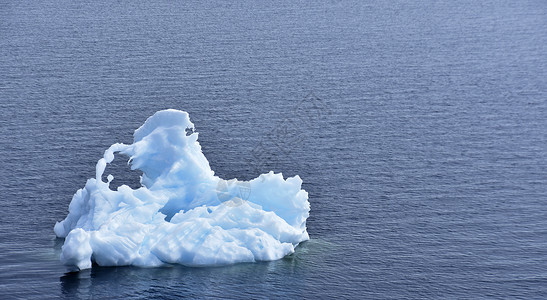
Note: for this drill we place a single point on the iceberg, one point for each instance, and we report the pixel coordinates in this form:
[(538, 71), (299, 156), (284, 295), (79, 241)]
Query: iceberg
[(182, 213)]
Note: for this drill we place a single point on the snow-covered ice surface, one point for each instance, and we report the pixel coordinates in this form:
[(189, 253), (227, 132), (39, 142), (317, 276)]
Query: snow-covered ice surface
[(182, 213)]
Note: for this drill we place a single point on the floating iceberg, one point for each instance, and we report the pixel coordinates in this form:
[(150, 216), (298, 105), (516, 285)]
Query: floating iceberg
[(182, 213)]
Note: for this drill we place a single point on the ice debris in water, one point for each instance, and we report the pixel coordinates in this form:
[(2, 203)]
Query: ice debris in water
[(182, 213)]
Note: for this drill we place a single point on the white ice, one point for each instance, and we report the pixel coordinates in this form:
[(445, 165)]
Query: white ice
[(182, 213)]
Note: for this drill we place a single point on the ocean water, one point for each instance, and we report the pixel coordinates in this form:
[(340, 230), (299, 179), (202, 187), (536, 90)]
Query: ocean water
[(419, 129)]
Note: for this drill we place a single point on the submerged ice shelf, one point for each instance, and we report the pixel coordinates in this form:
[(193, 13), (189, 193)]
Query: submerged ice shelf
[(182, 213)]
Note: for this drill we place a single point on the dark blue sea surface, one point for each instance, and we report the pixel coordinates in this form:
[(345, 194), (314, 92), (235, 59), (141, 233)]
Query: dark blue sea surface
[(418, 127)]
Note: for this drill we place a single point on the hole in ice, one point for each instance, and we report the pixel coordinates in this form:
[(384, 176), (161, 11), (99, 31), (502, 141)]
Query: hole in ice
[(189, 131), (121, 170)]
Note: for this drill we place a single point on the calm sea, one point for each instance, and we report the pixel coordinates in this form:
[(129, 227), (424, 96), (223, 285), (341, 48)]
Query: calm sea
[(418, 127)]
